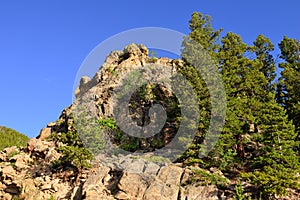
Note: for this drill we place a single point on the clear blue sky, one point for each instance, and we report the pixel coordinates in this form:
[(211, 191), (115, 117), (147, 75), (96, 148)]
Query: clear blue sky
[(43, 43)]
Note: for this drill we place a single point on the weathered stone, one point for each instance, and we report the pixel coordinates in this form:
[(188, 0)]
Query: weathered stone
[(10, 150), (135, 166), (200, 192), (94, 187), (55, 185), (44, 133), (166, 184), (186, 175), (51, 124), (122, 196), (161, 191), (133, 184), (6, 196), (21, 161), (29, 191), (84, 80), (46, 187), (52, 155), (151, 169), (12, 189), (2, 157), (170, 174), (8, 171), (38, 145)]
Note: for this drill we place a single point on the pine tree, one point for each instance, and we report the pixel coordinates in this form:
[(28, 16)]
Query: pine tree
[(206, 38), (262, 47), (289, 83), (258, 136), (275, 163), (202, 32), (243, 79)]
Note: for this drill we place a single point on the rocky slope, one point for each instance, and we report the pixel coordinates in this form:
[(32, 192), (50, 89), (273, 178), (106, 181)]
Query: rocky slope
[(28, 173)]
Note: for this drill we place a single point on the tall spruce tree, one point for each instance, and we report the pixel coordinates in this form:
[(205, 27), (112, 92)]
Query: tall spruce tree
[(243, 79), (257, 137), (275, 163), (202, 33), (262, 47), (254, 114), (289, 83)]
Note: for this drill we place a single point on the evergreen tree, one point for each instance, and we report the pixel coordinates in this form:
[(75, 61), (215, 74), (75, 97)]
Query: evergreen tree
[(257, 136), (262, 47), (254, 114), (289, 83), (201, 33), (243, 80), (275, 164)]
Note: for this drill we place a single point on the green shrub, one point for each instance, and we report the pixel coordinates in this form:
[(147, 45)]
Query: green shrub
[(130, 144), (108, 122), (152, 56), (202, 177), (239, 192), (74, 152), (10, 137), (75, 155)]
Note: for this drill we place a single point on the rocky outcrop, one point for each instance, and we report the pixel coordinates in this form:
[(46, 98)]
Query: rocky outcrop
[(28, 173), (149, 182)]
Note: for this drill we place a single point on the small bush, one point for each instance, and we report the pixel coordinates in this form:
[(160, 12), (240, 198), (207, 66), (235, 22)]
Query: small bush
[(108, 122), (202, 177), (74, 153)]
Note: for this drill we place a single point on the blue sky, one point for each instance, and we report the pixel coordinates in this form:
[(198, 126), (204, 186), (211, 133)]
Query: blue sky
[(43, 43)]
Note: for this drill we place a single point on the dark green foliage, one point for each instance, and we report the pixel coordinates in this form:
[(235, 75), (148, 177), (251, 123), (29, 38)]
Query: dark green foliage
[(73, 151), (239, 192), (74, 155), (10, 137), (203, 34), (262, 48), (275, 165), (129, 144), (288, 93), (257, 136), (140, 103), (108, 122), (118, 137), (90, 133), (205, 178)]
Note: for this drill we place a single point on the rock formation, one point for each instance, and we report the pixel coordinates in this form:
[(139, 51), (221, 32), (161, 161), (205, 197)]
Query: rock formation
[(28, 173)]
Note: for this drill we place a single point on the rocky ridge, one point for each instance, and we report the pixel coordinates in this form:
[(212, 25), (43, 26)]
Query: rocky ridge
[(28, 173)]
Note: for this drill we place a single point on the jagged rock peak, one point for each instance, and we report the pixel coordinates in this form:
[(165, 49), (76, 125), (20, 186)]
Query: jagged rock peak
[(137, 53)]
